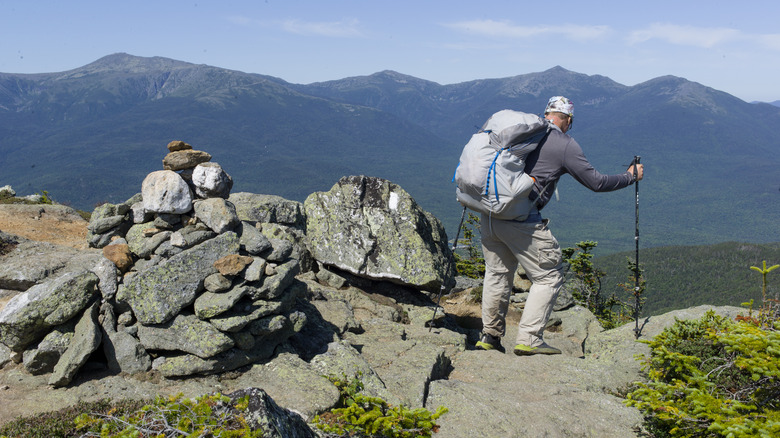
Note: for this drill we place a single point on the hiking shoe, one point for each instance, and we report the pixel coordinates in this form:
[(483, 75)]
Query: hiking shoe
[(524, 350), (490, 342)]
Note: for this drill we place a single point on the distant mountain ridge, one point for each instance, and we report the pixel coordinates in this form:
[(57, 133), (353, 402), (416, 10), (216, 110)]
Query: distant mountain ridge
[(90, 134), (435, 105)]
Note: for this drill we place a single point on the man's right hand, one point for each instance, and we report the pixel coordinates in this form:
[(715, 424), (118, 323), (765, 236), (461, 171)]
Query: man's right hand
[(640, 171)]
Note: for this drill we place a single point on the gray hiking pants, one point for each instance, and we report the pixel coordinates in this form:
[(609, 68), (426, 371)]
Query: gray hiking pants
[(532, 245)]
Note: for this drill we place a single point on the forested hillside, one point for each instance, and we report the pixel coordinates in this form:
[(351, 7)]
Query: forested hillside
[(685, 276)]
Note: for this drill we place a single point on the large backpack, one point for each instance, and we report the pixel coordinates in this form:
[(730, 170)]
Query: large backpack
[(491, 176)]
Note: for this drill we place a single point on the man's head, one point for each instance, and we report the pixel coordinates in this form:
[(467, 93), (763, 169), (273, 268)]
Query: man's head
[(561, 111)]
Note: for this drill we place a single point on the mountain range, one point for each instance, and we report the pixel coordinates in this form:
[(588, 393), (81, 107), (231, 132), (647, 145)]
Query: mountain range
[(90, 135)]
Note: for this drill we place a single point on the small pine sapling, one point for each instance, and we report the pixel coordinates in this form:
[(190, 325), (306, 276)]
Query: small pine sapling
[(770, 308), (471, 265)]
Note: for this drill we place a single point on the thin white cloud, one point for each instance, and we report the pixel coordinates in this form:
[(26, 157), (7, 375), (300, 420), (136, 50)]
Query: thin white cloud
[(706, 37), (771, 41), (343, 28), (505, 29)]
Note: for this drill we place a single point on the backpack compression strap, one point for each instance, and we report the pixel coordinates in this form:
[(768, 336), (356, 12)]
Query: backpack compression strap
[(492, 169)]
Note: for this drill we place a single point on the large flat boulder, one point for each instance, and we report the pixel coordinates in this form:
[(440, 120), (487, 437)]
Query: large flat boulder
[(29, 316), (25, 263), (375, 229)]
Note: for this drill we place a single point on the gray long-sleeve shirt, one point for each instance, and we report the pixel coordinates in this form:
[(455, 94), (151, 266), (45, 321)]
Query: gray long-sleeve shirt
[(560, 154)]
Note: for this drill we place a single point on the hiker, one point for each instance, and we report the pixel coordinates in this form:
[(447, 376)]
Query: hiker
[(505, 243)]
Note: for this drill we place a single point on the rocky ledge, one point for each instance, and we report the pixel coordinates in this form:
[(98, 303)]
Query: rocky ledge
[(189, 288)]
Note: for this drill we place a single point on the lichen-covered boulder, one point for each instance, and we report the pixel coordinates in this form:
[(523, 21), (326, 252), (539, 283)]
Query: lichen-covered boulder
[(252, 240), (210, 304), (273, 286), (185, 333), (144, 239), (217, 213), (86, 339), (107, 221), (163, 290), (31, 315), (265, 334), (274, 209), (30, 262), (238, 318), (42, 358), (275, 422), (373, 228), (123, 351)]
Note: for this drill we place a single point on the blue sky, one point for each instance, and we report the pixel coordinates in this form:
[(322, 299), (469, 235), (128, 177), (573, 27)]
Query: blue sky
[(733, 46)]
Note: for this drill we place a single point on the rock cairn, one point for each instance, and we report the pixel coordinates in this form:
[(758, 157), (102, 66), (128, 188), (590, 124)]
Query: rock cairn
[(203, 281)]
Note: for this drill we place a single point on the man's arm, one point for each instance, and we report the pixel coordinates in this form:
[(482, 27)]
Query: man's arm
[(578, 166)]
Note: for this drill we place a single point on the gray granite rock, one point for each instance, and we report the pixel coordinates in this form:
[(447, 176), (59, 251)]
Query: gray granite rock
[(86, 339), (185, 333), (164, 191), (165, 289), (373, 228), (31, 315)]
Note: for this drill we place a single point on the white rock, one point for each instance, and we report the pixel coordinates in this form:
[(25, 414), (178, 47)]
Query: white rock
[(164, 191), (211, 181)]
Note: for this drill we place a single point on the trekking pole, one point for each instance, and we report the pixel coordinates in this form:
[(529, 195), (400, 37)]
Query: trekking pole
[(452, 256), (637, 330)]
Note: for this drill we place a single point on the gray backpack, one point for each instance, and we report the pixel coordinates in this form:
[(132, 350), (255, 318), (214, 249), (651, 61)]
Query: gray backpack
[(491, 176)]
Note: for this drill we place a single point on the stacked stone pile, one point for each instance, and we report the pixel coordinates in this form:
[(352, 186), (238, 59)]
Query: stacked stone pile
[(203, 281), (202, 288)]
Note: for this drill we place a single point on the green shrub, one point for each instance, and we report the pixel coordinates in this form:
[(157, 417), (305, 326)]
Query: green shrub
[(60, 423), (476, 295), (472, 264), (209, 415), (770, 309), (45, 198), (360, 415), (712, 377), (585, 285)]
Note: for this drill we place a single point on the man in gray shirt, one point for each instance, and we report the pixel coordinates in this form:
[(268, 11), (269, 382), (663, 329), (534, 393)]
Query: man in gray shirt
[(505, 243)]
